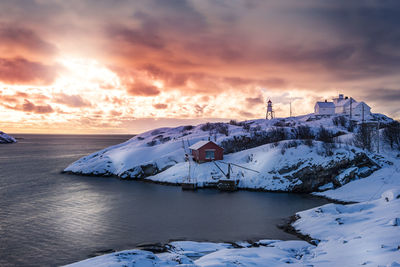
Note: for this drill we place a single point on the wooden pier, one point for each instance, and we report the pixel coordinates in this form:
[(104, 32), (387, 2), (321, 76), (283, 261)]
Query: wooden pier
[(189, 186)]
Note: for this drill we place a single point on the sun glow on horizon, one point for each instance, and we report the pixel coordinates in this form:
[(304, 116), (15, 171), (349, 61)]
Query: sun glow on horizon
[(88, 97)]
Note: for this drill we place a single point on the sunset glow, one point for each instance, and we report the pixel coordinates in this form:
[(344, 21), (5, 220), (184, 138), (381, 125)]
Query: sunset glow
[(97, 67)]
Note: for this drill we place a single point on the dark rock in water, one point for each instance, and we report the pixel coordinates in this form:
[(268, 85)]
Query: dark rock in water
[(142, 171), (6, 139)]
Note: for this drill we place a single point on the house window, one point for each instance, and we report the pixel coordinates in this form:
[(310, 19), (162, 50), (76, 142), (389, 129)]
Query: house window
[(210, 154)]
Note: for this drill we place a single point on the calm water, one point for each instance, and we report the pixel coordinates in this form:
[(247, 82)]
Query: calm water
[(48, 218)]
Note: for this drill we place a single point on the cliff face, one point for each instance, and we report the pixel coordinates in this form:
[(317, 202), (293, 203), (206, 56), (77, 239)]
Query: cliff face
[(6, 139), (336, 171)]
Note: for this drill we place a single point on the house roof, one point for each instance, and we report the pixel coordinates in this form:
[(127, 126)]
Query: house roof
[(199, 144), (326, 104), (346, 102), (360, 103)]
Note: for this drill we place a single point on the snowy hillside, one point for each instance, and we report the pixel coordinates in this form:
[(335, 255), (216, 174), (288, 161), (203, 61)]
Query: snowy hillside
[(366, 233), (158, 155), (5, 138), (363, 234), (287, 166)]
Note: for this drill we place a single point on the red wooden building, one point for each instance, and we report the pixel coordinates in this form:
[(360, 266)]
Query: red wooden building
[(206, 151)]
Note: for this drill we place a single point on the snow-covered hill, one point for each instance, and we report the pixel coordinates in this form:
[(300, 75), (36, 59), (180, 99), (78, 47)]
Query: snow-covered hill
[(262, 145), (5, 138), (362, 234), (286, 166)]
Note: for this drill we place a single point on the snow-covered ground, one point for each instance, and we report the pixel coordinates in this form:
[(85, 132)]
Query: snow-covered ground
[(5, 138), (278, 168), (366, 233), (362, 234), (165, 147), (159, 155)]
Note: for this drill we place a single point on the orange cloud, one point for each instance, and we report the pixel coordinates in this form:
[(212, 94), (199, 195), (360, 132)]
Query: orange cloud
[(160, 106), (22, 71), (75, 101), (192, 59), (28, 106), (17, 41), (140, 88)]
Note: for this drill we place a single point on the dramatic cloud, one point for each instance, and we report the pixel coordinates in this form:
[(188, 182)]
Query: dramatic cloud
[(384, 95), (254, 101), (22, 71), (160, 106), (125, 61), (142, 89), (30, 107), (14, 39), (75, 101)]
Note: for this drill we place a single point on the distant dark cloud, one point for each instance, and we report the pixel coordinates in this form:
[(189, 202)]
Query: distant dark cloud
[(22, 71), (13, 39), (384, 95), (254, 101), (115, 113), (142, 89), (369, 30), (269, 82), (160, 106), (28, 106), (247, 114), (75, 101), (146, 37)]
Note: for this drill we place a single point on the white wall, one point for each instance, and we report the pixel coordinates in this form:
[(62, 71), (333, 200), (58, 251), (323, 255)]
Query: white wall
[(324, 111)]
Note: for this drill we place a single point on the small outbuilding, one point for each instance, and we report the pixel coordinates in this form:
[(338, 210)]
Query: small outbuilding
[(203, 151)]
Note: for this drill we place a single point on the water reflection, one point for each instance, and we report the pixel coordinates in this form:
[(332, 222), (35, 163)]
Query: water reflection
[(48, 218)]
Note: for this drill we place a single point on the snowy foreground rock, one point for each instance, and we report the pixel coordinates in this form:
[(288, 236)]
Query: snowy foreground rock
[(6, 139), (362, 234), (266, 146)]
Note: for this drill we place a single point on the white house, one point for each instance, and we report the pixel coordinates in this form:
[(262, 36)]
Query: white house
[(361, 110), (343, 105), (324, 108)]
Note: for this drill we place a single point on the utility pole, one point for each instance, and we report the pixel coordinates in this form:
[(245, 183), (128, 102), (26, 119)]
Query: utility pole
[(378, 135), (290, 103), (351, 108), (362, 113)]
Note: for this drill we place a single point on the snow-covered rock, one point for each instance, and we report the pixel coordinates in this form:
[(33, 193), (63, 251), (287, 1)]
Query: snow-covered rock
[(6, 139), (300, 168), (159, 155), (135, 257), (369, 188)]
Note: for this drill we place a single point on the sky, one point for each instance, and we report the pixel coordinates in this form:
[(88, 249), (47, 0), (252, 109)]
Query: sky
[(123, 67)]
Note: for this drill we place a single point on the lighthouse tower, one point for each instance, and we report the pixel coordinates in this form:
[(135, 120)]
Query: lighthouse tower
[(270, 111)]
